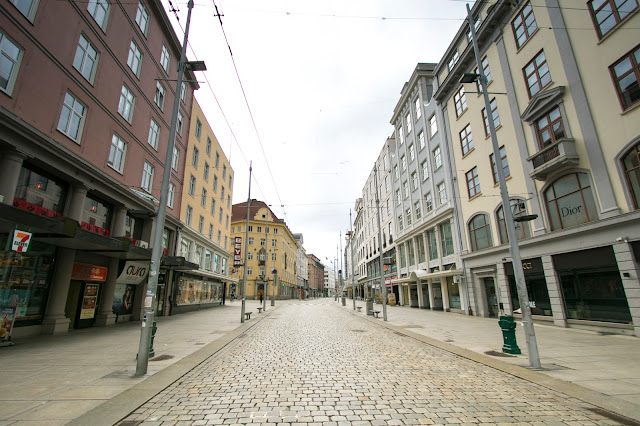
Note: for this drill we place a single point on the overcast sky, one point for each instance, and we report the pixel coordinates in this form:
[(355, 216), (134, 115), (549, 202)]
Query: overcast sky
[(321, 80)]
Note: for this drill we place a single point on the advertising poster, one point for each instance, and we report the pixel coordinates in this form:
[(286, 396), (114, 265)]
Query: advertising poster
[(14, 298), (7, 317), (123, 299), (89, 301)]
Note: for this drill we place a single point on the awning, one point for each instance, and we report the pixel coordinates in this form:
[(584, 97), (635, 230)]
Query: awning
[(422, 275), (214, 275), (177, 263)]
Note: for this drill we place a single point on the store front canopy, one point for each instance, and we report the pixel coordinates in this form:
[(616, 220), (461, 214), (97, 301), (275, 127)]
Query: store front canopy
[(423, 275), (67, 233)]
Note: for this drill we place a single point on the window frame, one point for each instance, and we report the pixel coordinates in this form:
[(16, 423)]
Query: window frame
[(433, 124), (442, 189), (635, 70), (486, 228), (115, 144), (17, 61), (132, 59), (107, 10), (127, 103), (437, 157), (494, 115), (147, 177), (460, 101), (165, 59), (614, 12), (473, 182), (536, 72), (154, 134), (503, 160), (31, 13), (83, 61), (71, 109), (171, 194), (466, 140), (160, 95), (527, 32), (175, 158), (143, 24)]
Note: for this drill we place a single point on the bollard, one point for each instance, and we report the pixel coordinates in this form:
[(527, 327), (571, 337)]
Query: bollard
[(152, 353), (370, 306), (508, 326), (344, 301)]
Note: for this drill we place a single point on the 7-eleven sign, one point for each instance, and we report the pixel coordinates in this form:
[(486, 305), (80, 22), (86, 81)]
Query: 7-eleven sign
[(21, 241)]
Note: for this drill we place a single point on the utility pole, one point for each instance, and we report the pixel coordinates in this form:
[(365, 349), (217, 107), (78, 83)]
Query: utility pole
[(383, 286), (521, 286), (246, 249), (266, 261), (156, 250), (343, 297), (353, 283)]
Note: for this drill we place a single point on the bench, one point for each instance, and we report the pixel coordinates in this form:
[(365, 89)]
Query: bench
[(359, 308), (260, 309), (248, 315), (376, 313)]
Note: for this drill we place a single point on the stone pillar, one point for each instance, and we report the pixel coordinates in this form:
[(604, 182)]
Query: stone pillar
[(76, 203), (555, 292), (105, 315), (629, 271), (419, 291), (10, 166), (444, 288), (430, 295)]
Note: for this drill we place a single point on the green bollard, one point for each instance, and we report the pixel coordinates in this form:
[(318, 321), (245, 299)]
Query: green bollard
[(152, 353), (508, 326)]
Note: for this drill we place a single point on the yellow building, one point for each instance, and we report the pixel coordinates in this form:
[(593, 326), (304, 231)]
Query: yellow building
[(269, 246), (206, 214)]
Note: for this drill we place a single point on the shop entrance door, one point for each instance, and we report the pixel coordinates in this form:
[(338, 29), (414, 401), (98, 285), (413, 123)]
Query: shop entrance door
[(160, 300), (437, 296), (492, 297), (82, 303), (413, 296)]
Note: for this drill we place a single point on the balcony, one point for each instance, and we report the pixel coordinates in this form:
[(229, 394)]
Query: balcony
[(554, 157)]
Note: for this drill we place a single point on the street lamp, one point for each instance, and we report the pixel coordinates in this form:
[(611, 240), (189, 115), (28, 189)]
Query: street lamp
[(156, 251), (521, 286)]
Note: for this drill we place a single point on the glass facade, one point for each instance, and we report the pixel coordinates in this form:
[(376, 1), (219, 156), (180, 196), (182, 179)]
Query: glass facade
[(536, 287), (192, 291)]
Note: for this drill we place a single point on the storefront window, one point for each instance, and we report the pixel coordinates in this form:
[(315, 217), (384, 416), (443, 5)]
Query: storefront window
[(570, 201), (39, 194), (536, 286), (454, 293), (96, 216), (194, 291), (25, 281)]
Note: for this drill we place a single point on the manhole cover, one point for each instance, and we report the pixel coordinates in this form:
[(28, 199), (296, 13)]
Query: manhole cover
[(158, 358), (502, 354)]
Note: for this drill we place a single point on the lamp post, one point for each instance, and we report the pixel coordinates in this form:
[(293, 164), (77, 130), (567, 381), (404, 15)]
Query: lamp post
[(529, 332), (246, 249), (156, 251), (353, 284), (383, 286)]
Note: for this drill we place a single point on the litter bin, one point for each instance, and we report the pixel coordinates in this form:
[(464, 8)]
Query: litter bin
[(344, 300), (369, 306), (508, 326)]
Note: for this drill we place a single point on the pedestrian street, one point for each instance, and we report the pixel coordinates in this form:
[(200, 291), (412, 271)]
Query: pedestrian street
[(314, 363)]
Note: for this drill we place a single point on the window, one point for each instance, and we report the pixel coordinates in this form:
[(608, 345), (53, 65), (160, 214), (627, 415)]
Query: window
[(400, 223), (192, 186), (505, 164), (401, 134), (135, 58), (99, 9), (453, 60), (607, 14), (208, 147), (487, 74), (536, 74), (249, 256), (250, 241), (570, 202), (425, 170), (263, 242), (494, 115), (154, 134), (189, 215), (437, 158), (26, 7), (179, 124), (86, 58), (403, 163), (159, 96), (408, 120), (405, 186), (446, 239), (220, 215), (460, 101), (198, 128), (398, 198), (414, 180), (206, 172), (215, 183), (213, 207), (249, 271), (626, 76), (631, 163), (171, 194), (428, 202), (386, 183), (183, 93), (418, 109), (433, 125), (473, 182), (432, 242), (228, 200), (408, 216), (224, 172), (550, 128), (466, 140), (518, 208), (395, 172), (217, 160), (421, 140), (222, 192), (147, 177), (117, 153), (416, 207), (126, 104), (524, 25), (442, 193), (480, 232), (412, 153), (10, 57), (142, 18), (476, 25), (165, 58), (201, 224), (203, 200), (174, 159), (72, 117), (195, 157)]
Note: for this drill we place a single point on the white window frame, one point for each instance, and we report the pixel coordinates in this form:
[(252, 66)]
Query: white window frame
[(175, 158), (165, 58), (171, 195), (179, 123), (418, 109), (117, 153), (442, 192), (95, 7), (154, 134), (142, 18), (425, 170), (195, 158), (203, 199), (86, 53), (127, 103), (192, 186), (189, 215), (147, 177), (198, 128), (437, 157), (408, 120), (159, 97), (134, 60), (73, 114), (14, 57), (30, 13)]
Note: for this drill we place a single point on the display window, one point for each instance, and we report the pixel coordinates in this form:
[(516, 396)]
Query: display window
[(193, 290)]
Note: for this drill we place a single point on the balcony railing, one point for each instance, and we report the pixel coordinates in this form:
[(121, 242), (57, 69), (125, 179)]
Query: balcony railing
[(554, 157)]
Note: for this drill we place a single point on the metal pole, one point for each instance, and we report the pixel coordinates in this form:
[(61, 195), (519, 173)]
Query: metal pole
[(266, 261), (342, 295), (353, 284), (514, 249), (246, 249), (383, 287), (275, 275), (156, 250)]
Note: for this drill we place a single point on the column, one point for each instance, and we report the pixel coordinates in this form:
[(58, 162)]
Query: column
[(502, 287), (10, 166), (629, 271), (55, 321), (419, 291), (555, 292), (430, 295), (444, 286)]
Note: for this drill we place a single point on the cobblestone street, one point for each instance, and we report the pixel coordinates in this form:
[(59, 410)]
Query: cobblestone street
[(313, 363)]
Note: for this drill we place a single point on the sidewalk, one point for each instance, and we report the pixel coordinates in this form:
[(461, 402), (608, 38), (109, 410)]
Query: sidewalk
[(54, 379), (608, 364)]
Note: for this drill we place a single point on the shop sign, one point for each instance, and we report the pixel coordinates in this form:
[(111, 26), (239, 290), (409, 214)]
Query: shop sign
[(21, 241), (84, 272), (133, 273), (237, 251)]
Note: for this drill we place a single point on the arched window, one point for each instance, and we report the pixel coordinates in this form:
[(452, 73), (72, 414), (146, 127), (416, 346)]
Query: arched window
[(518, 208), (631, 163), (570, 202), (480, 232)]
